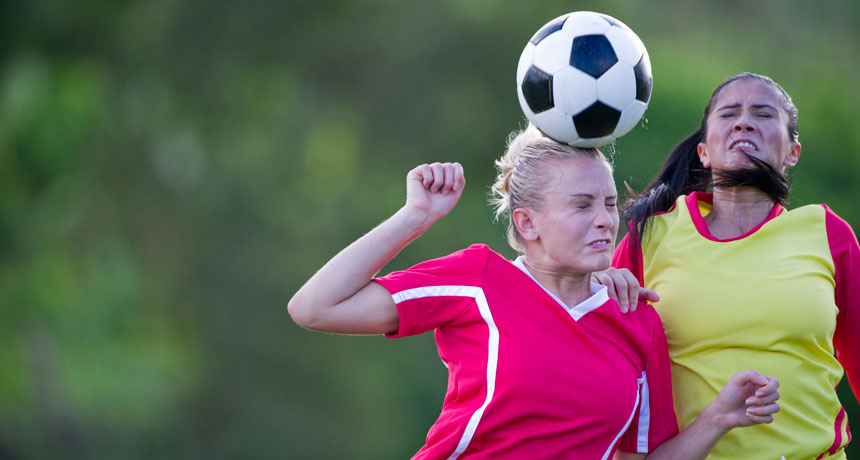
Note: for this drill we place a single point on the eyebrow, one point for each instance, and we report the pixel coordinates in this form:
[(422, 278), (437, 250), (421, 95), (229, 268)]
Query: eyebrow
[(754, 106), (588, 195)]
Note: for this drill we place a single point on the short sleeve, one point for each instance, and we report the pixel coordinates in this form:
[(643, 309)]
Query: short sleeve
[(846, 258), (624, 257), (654, 421), (434, 293)]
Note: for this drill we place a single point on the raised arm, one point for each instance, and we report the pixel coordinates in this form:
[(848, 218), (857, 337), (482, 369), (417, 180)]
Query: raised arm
[(341, 296), (747, 399)]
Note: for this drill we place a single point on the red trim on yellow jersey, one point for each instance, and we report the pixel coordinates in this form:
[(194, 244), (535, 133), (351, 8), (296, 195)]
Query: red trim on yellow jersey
[(758, 301)]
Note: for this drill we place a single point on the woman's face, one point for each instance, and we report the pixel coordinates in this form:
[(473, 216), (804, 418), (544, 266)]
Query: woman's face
[(747, 117), (576, 227)]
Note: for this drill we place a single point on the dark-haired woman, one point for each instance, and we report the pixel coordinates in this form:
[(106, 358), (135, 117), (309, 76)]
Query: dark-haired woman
[(743, 281)]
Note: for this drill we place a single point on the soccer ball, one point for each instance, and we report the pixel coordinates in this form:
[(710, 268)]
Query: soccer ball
[(584, 79)]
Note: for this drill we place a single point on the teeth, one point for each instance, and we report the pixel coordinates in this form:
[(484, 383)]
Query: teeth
[(744, 144)]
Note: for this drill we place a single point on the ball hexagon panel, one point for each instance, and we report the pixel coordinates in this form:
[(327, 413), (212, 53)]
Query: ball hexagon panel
[(612, 21), (574, 90), (553, 52), (626, 48), (548, 28), (557, 125), (537, 90), (594, 141), (592, 54), (617, 87), (585, 23), (629, 117), (598, 120)]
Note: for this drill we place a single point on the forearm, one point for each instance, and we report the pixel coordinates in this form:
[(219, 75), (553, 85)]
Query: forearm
[(355, 266), (696, 441), (747, 399)]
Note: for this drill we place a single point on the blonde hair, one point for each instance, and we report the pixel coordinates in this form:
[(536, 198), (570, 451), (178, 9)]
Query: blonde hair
[(523, 177)]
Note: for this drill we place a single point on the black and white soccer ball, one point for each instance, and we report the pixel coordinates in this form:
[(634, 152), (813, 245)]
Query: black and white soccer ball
[(584, 79)]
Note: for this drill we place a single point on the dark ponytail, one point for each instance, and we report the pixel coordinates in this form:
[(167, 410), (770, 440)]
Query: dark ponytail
[(682, 174)]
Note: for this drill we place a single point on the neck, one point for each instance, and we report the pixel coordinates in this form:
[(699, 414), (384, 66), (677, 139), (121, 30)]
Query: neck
[(571, 288), (737, 210)]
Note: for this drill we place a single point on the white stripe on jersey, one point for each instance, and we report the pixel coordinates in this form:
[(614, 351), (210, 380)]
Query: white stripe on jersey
[(635, 405), (492, 346), (644, 417)]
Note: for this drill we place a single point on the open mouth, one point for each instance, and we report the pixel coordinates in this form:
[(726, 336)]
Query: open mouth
[(601, 244), (744, 145)]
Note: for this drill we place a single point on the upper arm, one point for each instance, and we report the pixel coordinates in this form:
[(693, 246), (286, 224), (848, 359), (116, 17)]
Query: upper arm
[(846, 258), (624, 257), (371, 310), (654, 421)]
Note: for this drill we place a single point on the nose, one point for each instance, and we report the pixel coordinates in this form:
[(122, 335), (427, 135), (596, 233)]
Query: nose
[(604, 217), (743, 124)]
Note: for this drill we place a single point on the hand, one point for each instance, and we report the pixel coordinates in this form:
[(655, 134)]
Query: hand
[(624, 288), (748, 398), (434, 189)]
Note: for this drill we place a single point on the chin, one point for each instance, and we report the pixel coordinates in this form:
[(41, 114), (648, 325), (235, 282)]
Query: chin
[(597, 265)]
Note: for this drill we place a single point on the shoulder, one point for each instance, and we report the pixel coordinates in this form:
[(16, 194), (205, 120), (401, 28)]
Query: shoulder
[(466, 264), (663, 222), (840, 235), (821, 214), (835, 224), (646, 316)]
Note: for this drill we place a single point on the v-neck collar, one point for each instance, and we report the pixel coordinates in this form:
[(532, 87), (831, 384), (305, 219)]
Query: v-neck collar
[(693, 201), (579, 310)]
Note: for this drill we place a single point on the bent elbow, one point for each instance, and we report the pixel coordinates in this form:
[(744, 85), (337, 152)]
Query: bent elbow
[(300, 312)]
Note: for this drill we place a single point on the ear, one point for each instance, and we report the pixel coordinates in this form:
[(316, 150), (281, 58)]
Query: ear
[(524, 223), (793, 155), (704, 157)]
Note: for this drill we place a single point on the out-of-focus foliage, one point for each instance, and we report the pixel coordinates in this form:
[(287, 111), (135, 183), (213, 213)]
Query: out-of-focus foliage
[(172, 171)]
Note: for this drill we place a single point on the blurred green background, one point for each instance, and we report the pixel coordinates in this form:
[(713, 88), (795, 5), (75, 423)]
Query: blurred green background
[(172, 171)]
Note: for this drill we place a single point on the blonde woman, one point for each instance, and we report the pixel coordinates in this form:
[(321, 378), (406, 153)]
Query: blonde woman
[(542, 364)]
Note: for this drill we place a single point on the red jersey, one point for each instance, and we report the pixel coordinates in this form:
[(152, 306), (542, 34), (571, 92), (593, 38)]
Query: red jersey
[(529, 377)]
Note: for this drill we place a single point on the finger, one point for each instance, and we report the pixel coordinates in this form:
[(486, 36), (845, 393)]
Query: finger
[(599, 277), (611, 290), (426, 175), (438, 177), (648, 295), (448, 177), (622, 287), (764, 400), (750, 376), (459, 177), (633, 289), (769, 387), (768, 409), (760, 418)]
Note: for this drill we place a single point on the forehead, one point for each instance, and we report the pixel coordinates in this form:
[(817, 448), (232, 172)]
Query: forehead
[(584, 175), (748, 91)]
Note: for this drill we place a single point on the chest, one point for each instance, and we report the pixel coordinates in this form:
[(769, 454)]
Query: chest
[(589, 369), (776, 286)]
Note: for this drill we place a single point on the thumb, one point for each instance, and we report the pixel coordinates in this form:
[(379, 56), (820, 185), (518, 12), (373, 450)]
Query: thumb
[(648, 295), (752, 376)]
